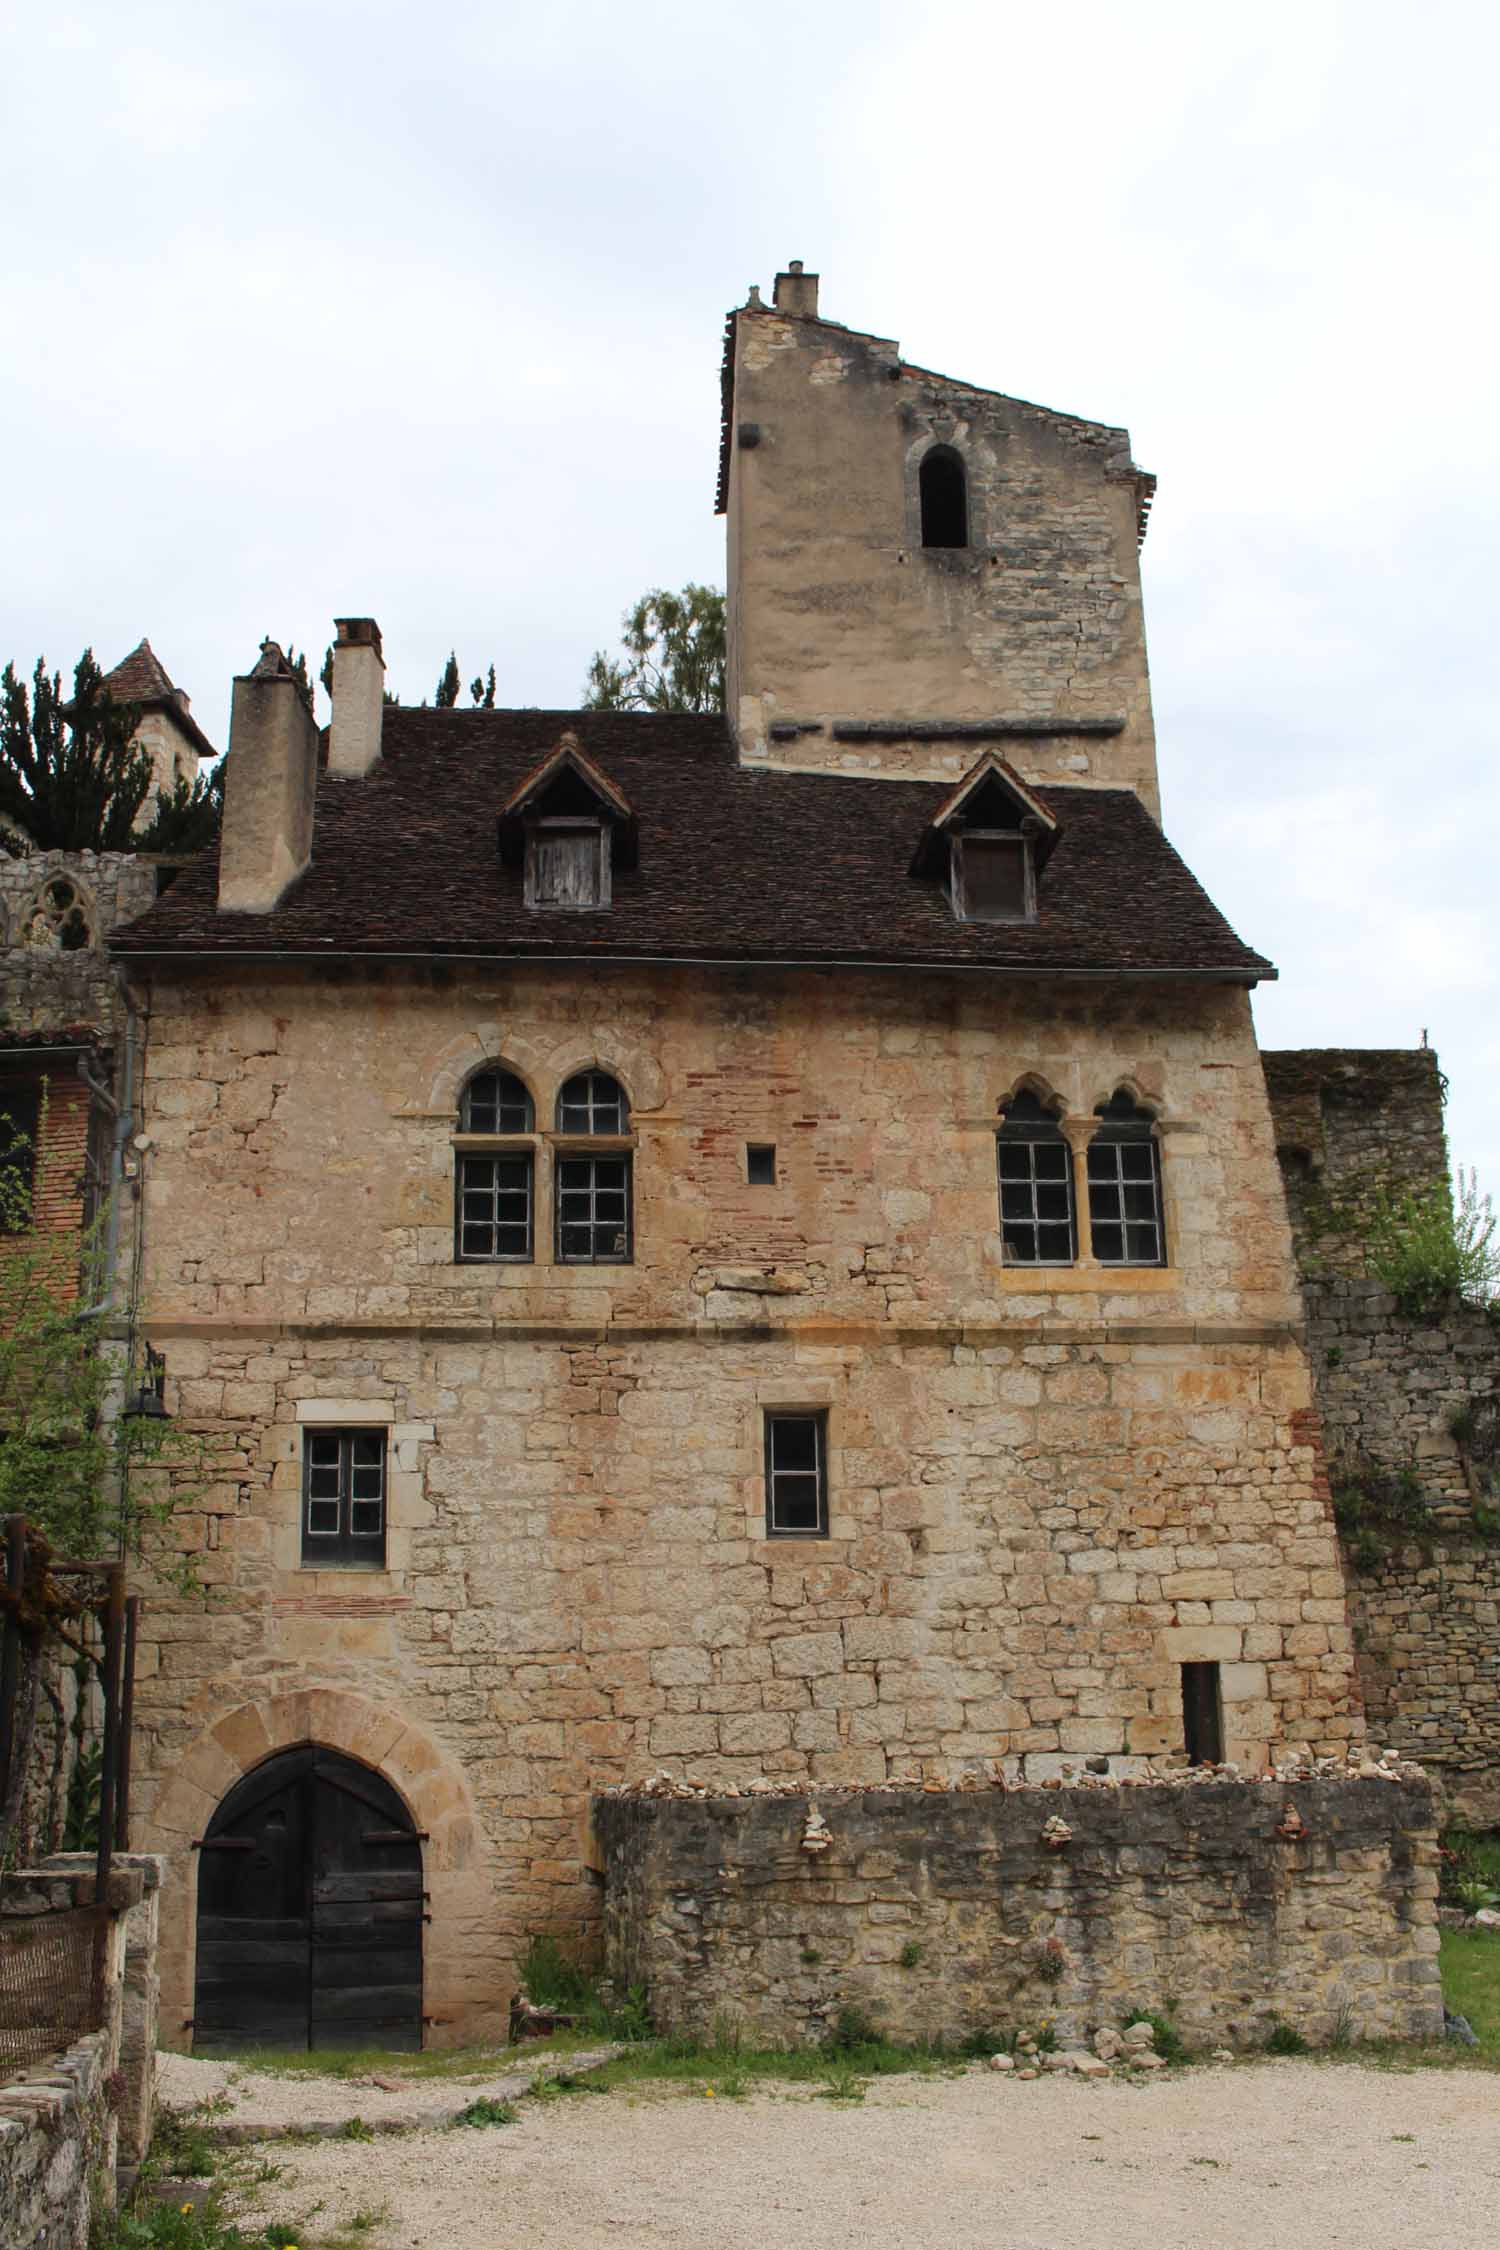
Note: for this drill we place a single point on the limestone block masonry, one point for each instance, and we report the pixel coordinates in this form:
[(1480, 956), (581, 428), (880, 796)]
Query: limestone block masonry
[(941, 1915), (1049, 1489)]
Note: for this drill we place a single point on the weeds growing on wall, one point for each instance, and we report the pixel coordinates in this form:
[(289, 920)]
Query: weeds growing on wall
[(1432, 1251), (1377, 1509)]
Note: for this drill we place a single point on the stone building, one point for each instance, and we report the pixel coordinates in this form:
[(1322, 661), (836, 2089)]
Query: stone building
[(752, 1246), (165, 727)]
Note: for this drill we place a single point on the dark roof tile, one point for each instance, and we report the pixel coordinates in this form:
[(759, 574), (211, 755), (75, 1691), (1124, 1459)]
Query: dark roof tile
[(735, 864)]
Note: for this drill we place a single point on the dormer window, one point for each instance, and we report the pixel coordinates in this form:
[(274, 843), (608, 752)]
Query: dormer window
[(993, 876), (567, 863), (570, 830), (989, 840)]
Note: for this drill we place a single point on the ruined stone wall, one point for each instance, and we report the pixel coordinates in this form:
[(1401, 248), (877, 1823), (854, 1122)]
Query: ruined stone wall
[(1410, 1411), (935, 1915), (1048, 1489), (44, 987), (838, 614)]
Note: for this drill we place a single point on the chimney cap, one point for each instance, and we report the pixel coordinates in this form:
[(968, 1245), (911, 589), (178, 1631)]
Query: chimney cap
[(358, 632), (796, 291)]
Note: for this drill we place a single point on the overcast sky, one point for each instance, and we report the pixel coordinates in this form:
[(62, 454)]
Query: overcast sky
[(325, 308)]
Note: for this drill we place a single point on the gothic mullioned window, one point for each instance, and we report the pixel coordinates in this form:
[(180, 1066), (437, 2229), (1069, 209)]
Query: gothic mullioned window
[(593, 1186), (496, 1187), (1124, 1170)]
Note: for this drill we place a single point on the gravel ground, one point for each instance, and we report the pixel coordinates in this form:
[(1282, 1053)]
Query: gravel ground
[(1257, 2157), (262, 2104)]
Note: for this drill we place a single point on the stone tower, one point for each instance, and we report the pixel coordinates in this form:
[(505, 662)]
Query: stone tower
[(919, 569)]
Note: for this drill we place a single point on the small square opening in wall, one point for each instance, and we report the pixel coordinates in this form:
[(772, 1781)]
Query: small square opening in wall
[(1202, 1714), (760, 1164)]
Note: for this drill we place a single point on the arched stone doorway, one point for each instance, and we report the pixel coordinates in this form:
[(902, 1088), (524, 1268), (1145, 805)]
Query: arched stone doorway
[(310, 1910)]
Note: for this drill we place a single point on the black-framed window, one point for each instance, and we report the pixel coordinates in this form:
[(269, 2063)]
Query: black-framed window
[(760, 1164), (593, 1188), (1124, 1170), (20, 1124), (796, 1475), (593, 1210), (496, 1101), (343, 1499), (494, 1208), (593, 1102), (494, 1190), (1037, 1219)]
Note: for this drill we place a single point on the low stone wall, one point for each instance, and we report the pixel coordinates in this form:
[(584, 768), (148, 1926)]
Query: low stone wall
[(57, 2150), (67, 2123), (939, 1914)]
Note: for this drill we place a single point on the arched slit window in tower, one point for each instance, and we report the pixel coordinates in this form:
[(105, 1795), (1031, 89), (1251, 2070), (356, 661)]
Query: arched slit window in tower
[(945, 499)]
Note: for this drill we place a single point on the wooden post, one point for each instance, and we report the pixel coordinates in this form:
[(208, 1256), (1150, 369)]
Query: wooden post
[(114, 1638), (10, 1654), (127, 1723)]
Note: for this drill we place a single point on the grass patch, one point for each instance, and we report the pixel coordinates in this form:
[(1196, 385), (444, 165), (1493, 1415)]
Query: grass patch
[(159, 2217), (555, 1979), (1471, 1987), (487, 2112), (360, 2062)]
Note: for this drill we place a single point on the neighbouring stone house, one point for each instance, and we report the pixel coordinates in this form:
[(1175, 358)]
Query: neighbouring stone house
[(752, 1246)]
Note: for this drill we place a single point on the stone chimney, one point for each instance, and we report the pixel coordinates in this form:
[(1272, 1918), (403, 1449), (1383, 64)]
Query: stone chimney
[(358, 696), (797, 292), (270, 780)]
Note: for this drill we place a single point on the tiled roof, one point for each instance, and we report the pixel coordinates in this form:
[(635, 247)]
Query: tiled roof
[(735, 864), (141, 678)]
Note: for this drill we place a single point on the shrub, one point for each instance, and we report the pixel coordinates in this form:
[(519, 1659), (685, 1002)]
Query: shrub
[(1429, 1250), (1285, 2039)]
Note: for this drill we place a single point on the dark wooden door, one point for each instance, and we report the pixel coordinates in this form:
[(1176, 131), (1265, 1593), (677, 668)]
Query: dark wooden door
[(309, 1911)]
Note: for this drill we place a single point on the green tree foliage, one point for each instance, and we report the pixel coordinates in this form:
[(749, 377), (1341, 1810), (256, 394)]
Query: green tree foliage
[(188, 820), (447, 687), (482, 692), (70, 779), (673, 660)]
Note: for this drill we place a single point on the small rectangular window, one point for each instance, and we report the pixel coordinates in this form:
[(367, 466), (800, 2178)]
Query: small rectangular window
[(992, 878), (343, 1499), (796, 1476), (494, 1208), (567, 864), (760, 1164), (593, 1210), (1036, 1200), (1125, 1218), (1202, 1714)]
